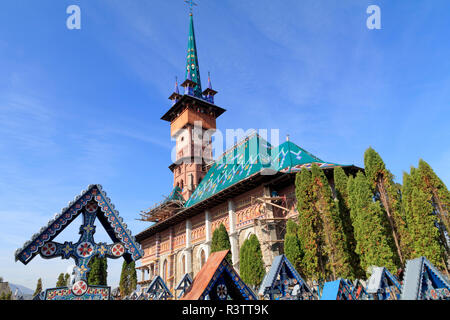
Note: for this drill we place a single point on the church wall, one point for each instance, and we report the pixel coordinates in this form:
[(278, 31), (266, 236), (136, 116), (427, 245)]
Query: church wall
[(219, 215), (245, 213), (198, 233)]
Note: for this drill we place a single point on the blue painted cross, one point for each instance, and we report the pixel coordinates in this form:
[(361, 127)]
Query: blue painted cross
[(86, 248)]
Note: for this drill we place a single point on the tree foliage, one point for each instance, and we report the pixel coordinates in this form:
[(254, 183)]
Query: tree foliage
[(341, 190), (60, 283), (320, 228), (99, 271), (292, 246), (251, 262), (381, 182), (38, 287), (426, 236), (370, 230), (221, 241), (128, 278)]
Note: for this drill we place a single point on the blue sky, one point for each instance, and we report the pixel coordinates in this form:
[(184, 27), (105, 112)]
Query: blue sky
[(82, 107)]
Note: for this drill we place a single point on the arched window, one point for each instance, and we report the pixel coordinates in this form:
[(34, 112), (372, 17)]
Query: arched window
[(202, 258), (164, 274), (183, 264)]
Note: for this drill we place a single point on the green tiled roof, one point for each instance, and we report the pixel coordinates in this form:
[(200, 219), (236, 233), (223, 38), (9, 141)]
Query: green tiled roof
[(250, 156), (175, 195)]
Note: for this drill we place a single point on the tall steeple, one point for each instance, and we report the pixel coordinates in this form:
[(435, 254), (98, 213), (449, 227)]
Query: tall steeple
[(192, 66), (190, 112)]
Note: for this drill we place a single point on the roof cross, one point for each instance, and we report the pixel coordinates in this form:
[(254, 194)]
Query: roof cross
[(191, 4)]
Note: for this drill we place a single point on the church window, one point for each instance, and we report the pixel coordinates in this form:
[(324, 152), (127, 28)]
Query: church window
[(165, 271), (202, 258), (183, 264)]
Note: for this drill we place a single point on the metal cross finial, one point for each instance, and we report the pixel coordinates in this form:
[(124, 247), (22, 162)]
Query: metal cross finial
[(191, 3)]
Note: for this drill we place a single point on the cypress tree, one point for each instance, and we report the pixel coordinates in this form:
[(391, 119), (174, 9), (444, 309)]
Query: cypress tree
[(440, 196), (60, 282), (371, 234), (381, 181), (340, 184), (66, 279), (98, 273), (244, 270), (38, 287), (335, 240), (292, 246), (255, 260), (128, 278), (309, 228), (221, 241), (320, 228), (425, 239)]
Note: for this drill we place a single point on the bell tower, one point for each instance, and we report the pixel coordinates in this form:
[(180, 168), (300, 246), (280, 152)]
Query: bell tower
[(191, 115)]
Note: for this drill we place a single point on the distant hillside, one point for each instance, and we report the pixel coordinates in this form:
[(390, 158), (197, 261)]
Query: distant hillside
[(27, 293)]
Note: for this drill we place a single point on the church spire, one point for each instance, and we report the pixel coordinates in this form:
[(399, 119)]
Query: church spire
[(192, 66)]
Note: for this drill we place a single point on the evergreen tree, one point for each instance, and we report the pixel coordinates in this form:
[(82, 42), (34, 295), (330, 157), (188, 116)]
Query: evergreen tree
[(66, 279), (292, 246), (221, 241), (340, 184), (423, 223), (371, 234), (320, 228), (98, 273), (251, 262), (335, 240), (255, 261), (440, 196), (38, 287), (381, 181), (128, 278), (60, 283), (244, 264), (309, 228)]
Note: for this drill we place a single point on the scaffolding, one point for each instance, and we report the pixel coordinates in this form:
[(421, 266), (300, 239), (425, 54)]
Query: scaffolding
[(162, 211)]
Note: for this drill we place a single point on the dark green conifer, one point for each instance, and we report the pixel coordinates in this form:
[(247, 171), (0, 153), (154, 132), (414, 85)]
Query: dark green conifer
[(335, 240), (38, 287), (320, 228), (60, 282), (340, 184), (221, 241), (292, 246), (99, 271), (422, 220), (244, 264), (381, 182), (128, 278), (371, 234), (309, 228), (440, 196), (66, 278), (252, 266)]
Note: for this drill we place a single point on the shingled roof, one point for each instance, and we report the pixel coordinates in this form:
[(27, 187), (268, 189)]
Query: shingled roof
[(247, 164), (250, 156), (213, 271)]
